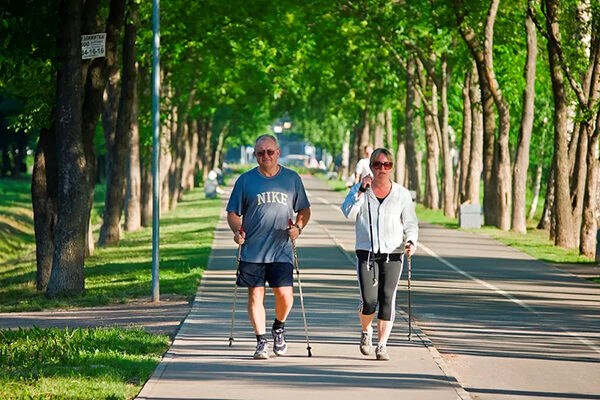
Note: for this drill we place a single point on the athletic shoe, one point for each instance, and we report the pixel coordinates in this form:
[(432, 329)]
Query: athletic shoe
[(366, 346), (279, 344), (381, 353), (262, 350)]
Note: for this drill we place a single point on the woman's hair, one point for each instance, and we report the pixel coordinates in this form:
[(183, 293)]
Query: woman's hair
[(379, 151)]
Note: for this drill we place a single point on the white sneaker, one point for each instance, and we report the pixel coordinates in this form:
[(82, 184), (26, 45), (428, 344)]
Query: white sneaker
[(262, 350), (279, 344), (366, 345), (381, 353)]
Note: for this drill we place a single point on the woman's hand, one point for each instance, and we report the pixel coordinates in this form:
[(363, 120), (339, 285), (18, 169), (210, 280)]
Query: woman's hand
[(365, 183), (409, 248)]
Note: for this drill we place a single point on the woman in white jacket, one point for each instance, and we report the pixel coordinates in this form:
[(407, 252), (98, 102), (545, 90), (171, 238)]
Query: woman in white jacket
[(386, 230)]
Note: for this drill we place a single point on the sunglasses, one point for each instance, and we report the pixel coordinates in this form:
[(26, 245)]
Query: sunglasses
[(262, 153), (387, 165)]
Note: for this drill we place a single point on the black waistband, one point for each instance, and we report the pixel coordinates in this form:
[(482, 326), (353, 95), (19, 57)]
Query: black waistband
[(364, 255)]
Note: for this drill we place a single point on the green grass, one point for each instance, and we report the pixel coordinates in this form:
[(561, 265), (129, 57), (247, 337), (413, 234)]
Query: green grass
[(122, 273), (535, 243), (101, 363), (16, 218)]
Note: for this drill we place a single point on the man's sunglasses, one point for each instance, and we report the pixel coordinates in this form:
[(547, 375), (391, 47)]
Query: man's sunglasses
[(261, 153), (387, 165)]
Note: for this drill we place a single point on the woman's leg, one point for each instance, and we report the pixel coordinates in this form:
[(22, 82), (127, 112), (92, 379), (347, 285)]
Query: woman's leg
[(389, 274)]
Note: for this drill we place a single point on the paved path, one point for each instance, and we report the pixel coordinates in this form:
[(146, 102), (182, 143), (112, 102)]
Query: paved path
[(511, 327), (200, 365), (496, 324)]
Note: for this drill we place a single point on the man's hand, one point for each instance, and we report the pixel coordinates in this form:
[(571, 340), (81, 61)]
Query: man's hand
[(293, 230), (239, 236)]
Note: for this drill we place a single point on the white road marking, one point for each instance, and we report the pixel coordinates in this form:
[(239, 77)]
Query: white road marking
[(505, 294)]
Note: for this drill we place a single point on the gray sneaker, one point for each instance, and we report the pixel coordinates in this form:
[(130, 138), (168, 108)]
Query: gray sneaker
[(366, 346), (262, 350), (279, 344), (381, 353)]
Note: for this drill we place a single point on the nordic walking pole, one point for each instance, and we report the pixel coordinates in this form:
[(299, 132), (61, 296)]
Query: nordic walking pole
[(237, 272), (308, 348), (409, 305)]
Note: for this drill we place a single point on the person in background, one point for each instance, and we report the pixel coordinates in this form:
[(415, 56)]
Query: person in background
[(362, 166), (386, 230), (262, 202)]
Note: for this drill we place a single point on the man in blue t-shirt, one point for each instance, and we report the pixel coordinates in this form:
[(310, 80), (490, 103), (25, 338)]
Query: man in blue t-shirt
[(262, 203)]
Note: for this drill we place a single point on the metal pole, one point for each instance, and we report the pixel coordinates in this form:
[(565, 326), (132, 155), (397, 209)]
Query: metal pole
[(155, 147)]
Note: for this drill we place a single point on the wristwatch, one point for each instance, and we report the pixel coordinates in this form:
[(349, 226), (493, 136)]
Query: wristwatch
[(299, 229)]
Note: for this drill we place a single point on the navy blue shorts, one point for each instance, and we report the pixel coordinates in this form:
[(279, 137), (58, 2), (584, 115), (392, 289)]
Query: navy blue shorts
[(278, 274)]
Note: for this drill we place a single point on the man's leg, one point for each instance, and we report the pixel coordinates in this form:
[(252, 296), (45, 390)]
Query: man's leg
[(284, 299), (256, 309), (256, 313)]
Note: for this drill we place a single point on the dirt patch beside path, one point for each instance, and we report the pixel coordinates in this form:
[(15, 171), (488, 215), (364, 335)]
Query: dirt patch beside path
[(164, 317)]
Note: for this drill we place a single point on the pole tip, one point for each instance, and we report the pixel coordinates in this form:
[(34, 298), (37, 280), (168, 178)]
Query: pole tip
[(309, 352), (230, 341)]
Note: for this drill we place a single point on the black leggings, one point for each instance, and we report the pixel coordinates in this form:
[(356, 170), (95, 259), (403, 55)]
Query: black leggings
[(386, 270)]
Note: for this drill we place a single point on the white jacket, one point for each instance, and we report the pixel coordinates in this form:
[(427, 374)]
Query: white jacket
[(393, 221)]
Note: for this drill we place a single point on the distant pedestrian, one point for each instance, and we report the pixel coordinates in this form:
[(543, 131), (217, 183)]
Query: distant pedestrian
[(262, 202), (386, 230), (362, 168)]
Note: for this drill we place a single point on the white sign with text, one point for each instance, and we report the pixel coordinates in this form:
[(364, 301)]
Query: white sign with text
[(93, 46)]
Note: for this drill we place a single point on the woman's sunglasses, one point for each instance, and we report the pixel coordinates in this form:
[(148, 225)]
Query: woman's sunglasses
[(387, 165), (261, 153)]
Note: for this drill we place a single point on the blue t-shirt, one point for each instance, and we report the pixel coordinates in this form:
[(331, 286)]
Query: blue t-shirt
[(266, 204)]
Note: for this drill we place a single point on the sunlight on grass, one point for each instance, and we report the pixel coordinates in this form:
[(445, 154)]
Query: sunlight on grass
[(101, 363), (123, 273), (16, 218)]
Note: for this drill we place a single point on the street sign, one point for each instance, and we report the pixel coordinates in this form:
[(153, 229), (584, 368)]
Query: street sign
[(93, 46)]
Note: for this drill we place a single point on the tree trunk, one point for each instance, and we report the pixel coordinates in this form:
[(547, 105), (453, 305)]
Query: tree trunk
[(537, 184), (448, 168), (502, 152), (389, 139), (490, 199), (411, 153), (218, 154), (166, 158), (97, 75), (206, 150), (133, 192), (147, 192), (191, 154), (66, 277), (432, 195), (401, 175), (589, 223), (365, 135), (589, 226), (465, 145), (176, 152), (519, 223), (546, 218), (44, 196), (378, 131), (565, 233), (473, 185), (116, 179)]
